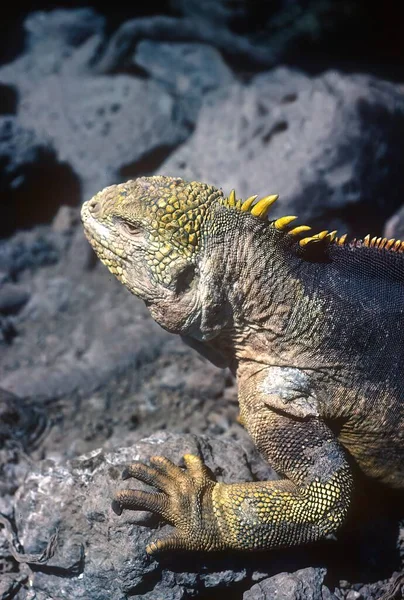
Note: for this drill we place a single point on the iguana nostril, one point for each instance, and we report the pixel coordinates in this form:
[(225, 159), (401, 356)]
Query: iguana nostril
[(94, 207)]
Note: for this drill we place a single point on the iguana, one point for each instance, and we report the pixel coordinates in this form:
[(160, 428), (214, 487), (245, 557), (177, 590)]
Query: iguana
[(310, 324)]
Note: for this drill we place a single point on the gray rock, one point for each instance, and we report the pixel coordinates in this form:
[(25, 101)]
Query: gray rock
[(53, 41), (233, 28), (34, 182), (101, 125), (10, 584), (119, 49), (66, 219), (329, 145), (113, 339), (22, 427), (215, 11), (30, 250), (62, 29), (7, 331), (395, 226), (102, 556), (306, 584), (80, 256), (12, 298), (187, 71), (352, 595), (18, 146)]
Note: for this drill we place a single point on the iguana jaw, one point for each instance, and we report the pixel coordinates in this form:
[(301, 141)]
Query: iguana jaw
[(106, 244)]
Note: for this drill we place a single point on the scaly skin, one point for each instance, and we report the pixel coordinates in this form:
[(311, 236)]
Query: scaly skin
[(312, 328)]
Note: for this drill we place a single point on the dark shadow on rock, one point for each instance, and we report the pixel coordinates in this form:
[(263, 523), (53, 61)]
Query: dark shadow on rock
[(148, 164), (21, 422), (8, 100), (33, 193)]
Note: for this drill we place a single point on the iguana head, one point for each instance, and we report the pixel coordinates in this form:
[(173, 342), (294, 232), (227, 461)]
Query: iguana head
[(149, 233)]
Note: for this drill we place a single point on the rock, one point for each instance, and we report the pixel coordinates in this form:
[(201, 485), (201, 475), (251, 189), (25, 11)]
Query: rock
[(66, 219), (30, 250), (53, 40), (215, 11), (93, 125), (250, 34), (34, 182), (187, 71), (21, 422), (113, 340), (352, 595), (23, 426), (329, 145), (395, 226), (12, 298), (118, 52), (10, 584), (306, 584), (80, 256), (74, 498), (7, 331), (18, 146)]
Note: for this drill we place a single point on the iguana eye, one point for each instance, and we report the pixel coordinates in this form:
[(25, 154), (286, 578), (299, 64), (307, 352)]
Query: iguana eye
[(131, 227)]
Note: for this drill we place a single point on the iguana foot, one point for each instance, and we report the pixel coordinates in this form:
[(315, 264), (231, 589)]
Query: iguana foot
[(184, 500)]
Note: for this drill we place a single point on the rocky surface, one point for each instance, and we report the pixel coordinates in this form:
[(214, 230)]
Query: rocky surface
[(306, 584), (394, 227), (70, 126), (85, 374), (330, 145), (255, 34), (188, 72), (61, 539), (72, 113), (100, 555)]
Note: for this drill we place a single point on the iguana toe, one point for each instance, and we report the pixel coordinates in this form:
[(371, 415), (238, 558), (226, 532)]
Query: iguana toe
[(139, 500)]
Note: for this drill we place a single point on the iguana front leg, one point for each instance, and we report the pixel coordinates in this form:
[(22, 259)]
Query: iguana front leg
[(310, 503)]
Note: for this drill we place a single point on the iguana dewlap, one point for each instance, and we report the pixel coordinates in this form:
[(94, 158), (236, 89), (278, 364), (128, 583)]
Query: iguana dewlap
[(313, 328)]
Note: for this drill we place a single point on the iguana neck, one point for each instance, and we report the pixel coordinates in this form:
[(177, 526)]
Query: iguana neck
[(251, 293)]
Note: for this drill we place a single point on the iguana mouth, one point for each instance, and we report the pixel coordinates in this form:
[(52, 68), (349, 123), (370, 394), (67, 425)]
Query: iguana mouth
[(101, 238), (99, 235)]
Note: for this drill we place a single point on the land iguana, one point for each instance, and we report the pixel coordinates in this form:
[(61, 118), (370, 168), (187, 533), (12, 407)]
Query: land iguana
[(310, 324)]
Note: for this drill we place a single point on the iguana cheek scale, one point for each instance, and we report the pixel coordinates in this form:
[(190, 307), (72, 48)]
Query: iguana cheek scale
[(311, 325)]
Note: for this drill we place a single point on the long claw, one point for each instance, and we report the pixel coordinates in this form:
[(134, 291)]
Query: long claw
[(117, 507), (172, 542), (150, 475), (139, 500)]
